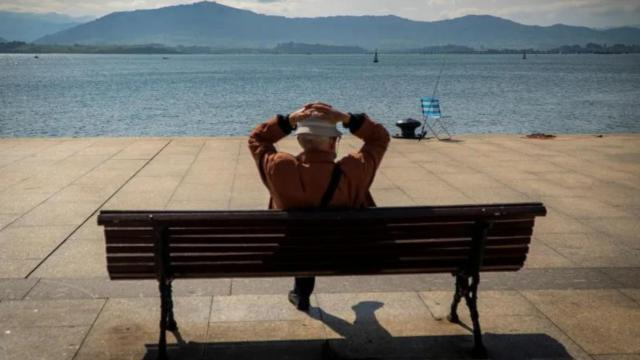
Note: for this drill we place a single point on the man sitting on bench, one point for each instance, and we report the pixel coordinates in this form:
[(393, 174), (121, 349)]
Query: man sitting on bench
[(312, 178)]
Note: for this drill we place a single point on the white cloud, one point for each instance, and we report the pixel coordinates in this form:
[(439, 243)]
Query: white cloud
[(597, 13)]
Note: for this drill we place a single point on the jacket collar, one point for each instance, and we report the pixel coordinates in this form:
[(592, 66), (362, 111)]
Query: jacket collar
[(317, 156)]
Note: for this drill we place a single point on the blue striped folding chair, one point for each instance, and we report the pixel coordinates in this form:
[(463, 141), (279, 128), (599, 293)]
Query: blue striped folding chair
[(433, 117)]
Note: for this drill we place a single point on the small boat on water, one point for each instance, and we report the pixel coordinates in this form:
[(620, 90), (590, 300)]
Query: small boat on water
[(36, 57), (375, 57), (165, 58)]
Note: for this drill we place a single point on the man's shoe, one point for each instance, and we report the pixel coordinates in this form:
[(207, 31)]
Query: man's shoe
[(300, 303)]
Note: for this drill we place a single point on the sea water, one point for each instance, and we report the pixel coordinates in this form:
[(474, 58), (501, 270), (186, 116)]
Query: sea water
[(221, 95)]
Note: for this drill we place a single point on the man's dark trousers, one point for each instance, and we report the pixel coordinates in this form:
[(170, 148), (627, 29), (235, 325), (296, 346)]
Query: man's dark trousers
[(304, 286)]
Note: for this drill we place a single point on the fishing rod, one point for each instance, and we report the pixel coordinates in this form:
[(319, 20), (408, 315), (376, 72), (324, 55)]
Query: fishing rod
[(433, 95)]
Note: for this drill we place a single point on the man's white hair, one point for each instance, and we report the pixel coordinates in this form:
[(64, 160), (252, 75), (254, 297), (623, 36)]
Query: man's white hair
[(315, 142)]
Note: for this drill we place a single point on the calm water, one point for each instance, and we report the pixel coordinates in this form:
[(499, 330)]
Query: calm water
[(205, 95)]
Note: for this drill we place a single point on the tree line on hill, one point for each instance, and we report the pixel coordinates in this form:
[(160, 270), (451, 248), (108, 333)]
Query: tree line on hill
[(19, 47)]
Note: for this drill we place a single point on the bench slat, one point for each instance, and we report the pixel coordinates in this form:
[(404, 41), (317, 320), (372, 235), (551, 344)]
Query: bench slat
[(241, 274), (249, 268), (266, 256), (369, 216), (206, 235), (327, 248)]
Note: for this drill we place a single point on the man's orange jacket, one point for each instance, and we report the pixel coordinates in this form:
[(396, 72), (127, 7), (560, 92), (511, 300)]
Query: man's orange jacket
[(300, 181)]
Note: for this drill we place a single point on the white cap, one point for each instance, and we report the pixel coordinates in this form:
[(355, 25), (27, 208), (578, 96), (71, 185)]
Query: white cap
[(317, 126)]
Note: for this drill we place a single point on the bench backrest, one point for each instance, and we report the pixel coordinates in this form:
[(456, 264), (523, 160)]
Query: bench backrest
[(321, 242)]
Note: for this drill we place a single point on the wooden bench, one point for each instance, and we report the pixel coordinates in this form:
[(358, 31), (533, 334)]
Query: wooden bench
[(462, 240)]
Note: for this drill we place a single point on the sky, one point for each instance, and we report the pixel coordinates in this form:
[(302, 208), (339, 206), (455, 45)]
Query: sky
[(592, 13)]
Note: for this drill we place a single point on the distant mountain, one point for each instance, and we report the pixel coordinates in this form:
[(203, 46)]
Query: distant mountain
[(17, 26), (212, 24), (3, 40)]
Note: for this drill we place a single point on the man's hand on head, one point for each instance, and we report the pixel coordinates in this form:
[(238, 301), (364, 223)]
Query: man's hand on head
[(306, 112), (330, 114)]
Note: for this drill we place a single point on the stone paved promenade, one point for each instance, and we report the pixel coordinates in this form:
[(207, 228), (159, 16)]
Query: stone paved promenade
[(578, 296)]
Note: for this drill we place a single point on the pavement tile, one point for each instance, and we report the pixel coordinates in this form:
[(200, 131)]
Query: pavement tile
[(385, 283), (249, 201), (532, 165), (476, 181), (491, 303), (385, 308), (151, 184), (511, 325), (91, 288), (171, 165), (436, 198), (619, 228), (573, 179), (617, 357), (79, 258), (632, 293), (17, 268), (80, 193), (15, 289), (215, 178), (31, 242), (528, 337), (548, 278), (137, 201), (392, 197), (250, 286), (219, 204), (411, 173), (496, 195), (142, 149), (89, 230), (627, 277), (265, 330), (593, 250), (542, 256), (445, 167), (54, 213), (6, 219), (505, 173), (585, 208), (202, 192), (576, 312), (556, 222), (539, 188), (255, 308), (19, 202), (103, 148), (36, 343), (271, 349), (110, 173), (48, 313), (128, 329)]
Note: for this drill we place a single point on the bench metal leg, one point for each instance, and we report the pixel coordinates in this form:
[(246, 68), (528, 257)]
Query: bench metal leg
[(470, 294), (453, 315), (167, 321), (171, 321), (471, 298), (164, 307)]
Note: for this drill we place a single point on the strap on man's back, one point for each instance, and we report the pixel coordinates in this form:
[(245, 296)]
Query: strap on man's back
[(333, 186)]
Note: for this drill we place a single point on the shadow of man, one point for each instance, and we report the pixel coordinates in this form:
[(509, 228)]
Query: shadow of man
[(364, 339)]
